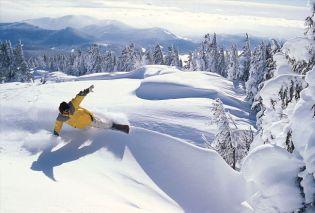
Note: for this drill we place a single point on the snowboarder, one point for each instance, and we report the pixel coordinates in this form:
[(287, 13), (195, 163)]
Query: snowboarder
[(76, 116)]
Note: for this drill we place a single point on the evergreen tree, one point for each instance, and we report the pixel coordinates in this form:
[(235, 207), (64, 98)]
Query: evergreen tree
[(205, 52), (209, 53), (257, 71), (223, 142), (130, 58), (270, 63), (221, 63), (172, 57), (158, 55), (21, 70), (93, 60), (233, 69), (198, 62), (275, 46), (180, 63), (109, 62), (245, 59), (80, 63), (6, 61), (188, 63), (309, 23), (213, 55), (147, 57)]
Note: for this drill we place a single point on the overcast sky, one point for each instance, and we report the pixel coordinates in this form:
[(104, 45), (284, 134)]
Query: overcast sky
[(187, 18)]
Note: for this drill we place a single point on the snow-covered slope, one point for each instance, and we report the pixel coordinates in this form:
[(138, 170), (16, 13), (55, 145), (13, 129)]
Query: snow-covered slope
[(157, 168)]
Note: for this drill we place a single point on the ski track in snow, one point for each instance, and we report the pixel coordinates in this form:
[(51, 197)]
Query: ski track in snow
[(159, 170)]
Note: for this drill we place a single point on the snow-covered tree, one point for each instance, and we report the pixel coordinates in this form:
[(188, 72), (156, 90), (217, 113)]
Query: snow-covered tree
[(109, 62), (198, 62), (158, 55), (209, 53), (233, 68), (232, 144), (222, 66), (147, 57), (13, 66), (93, 59), (172, 58), (188, 63), (258, 69), (244, 60), (271, 48), (130, 58), (6, 61), (223, 142), (275, 46), (309, 23)]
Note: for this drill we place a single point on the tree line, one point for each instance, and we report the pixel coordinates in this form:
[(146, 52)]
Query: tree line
[(232, 63)]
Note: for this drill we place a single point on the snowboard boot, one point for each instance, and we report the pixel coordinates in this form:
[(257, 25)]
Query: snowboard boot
[(121, 127)]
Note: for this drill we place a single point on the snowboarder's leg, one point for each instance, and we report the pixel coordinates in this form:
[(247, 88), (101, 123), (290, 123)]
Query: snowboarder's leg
[(102, 124), (108, 124)]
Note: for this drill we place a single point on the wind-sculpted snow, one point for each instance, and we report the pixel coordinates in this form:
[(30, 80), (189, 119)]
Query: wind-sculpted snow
[(153, 169), (151, 70), (273, 171), (174, 174), (183, 85), (300, 49), (304, 114), (141, 73)]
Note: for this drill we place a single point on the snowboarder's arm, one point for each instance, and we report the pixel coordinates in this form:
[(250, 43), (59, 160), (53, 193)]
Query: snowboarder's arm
[(80, 96), (58, 126)]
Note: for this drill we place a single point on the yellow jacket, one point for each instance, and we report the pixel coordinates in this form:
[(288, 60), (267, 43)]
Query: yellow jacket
[(78, 117)]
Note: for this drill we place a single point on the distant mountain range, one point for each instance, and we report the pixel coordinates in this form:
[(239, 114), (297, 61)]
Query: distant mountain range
[(71, 31)]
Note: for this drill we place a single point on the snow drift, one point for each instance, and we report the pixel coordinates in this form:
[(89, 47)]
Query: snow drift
[(184, 176), (94, 170)]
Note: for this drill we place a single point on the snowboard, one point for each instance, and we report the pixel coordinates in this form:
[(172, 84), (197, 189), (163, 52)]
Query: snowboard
[(121, 127)]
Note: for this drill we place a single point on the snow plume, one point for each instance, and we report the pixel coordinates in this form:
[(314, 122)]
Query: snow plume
[(31, 128), (115, 117), (39, 141)]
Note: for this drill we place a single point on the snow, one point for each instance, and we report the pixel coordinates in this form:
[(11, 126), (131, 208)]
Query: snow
[(299, 49), (273, 171), (303, 114), (188, 85), (151, 70), (283, 171), (161, 166), (282, 66)]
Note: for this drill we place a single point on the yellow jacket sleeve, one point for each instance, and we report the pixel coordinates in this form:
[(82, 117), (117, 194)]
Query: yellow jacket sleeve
[(79, 98), (77, 101), (58, 126)]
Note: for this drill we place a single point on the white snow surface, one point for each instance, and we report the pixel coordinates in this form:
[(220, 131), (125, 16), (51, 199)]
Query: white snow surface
[(273, 171), (156, 168), (303, 132), (300, 49)]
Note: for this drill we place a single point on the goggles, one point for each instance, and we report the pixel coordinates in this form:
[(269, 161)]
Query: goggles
[(66, 111)]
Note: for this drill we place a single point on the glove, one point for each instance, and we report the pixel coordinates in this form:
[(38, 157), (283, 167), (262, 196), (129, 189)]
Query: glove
[(56, 133), (91, 88)]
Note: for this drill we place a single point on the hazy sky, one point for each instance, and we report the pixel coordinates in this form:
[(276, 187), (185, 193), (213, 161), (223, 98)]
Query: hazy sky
[(188, 18)]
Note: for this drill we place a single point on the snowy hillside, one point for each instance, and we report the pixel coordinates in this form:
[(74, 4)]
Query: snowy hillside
[(157, 168)]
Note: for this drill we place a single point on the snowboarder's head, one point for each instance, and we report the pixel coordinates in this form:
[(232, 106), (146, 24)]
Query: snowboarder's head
[(64, 108)]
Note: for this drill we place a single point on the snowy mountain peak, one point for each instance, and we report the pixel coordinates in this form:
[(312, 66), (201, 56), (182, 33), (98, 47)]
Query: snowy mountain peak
[(75, 21)]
